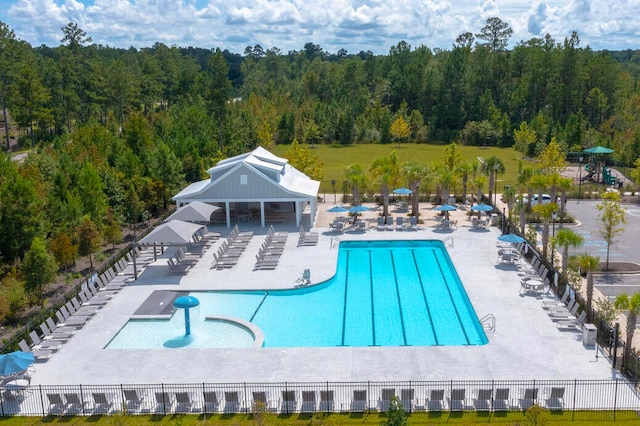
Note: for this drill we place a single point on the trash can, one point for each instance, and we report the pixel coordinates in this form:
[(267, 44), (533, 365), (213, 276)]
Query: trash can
[(589, 334), (494, 219)]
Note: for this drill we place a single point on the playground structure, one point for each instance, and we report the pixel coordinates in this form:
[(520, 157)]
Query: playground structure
[(597, 170)]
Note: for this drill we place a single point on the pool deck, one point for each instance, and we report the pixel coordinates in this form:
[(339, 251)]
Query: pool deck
[(525, 345)]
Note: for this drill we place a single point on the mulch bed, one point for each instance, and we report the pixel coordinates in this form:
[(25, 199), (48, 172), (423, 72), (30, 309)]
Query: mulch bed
[(620, 267)]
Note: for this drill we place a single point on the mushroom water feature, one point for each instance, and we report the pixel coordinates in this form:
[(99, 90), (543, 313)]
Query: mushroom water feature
[(186, 303)]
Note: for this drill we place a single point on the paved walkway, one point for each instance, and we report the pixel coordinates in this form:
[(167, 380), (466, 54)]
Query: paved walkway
[(526, 344)]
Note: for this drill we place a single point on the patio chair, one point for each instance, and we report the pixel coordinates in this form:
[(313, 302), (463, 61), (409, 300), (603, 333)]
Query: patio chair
[(102, 402), (359, 402), (232, 402), (58, 331), (38, 354), (457, 400), (263, 401), (435, 402), (554, 399), (212, 401), (164, 402), (399, 223), (550, 304), (501, 400), (413, 223), (184, 403), (528, 398), (39, 344), (482, 401), (289, 401), (572, 324), (380, 226), (385, 399), (75, 402), (327, 403), (56, 403), (309, 401), (133, 398), (564, 314), (407, 399)]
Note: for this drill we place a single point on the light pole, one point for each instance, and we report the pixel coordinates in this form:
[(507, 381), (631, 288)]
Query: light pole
[(553, 236), (333, 184), (580, 179), (495, 186)]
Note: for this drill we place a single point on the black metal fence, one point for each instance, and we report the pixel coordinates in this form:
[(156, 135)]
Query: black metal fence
[(327, 397)]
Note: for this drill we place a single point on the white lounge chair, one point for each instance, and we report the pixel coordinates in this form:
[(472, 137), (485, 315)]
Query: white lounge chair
[(562, 302), (385, 398), (309, 401), (38, 354), (572, 324), (38, 344)]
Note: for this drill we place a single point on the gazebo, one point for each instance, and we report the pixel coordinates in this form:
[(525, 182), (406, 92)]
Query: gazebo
[(256, 187)]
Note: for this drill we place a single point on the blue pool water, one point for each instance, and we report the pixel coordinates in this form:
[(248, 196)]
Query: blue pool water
[(384, 293)]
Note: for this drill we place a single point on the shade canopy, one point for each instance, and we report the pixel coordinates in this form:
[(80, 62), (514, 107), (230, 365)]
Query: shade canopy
[(195, 211), (599, 150), (402, 191), (15, 362), (511, 238), (338, 209), (358, 209), (481, 208), (445, 208), (175, 232)]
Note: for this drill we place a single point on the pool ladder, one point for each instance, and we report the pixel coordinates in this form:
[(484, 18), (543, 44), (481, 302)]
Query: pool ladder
[(488, 323), (335, 242), (448, 241)]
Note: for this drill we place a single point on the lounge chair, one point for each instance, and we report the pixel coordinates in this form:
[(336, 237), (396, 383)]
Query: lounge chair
[(133, 398), (309, 401), (232, 402), (263, 401), (75, 403), (385, 398), (555, 303), (327, 403), (57, 331), (184, 403), (435, 402), (212, 401), (56, 403), (554, 400), (359, 404), (457, 399), (305, 279), (573, 324), (564, 314), (407, 399), (289, 401), (482, 401), (103, 403), (413, 223), (38, 344), (164, 402), (381, 225), (399, 223), (38, 354), (501, 400), (528, 398)]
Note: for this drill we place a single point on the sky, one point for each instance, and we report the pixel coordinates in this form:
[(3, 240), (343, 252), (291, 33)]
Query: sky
[(352, 25)]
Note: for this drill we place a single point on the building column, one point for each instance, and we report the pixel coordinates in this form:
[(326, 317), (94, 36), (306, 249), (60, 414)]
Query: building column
[(262, 222), (226, 204)]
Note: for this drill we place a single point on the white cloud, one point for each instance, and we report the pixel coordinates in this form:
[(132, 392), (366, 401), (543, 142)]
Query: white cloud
[(354, 25)]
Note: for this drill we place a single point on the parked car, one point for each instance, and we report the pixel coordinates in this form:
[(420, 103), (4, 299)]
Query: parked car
[(546, 199)]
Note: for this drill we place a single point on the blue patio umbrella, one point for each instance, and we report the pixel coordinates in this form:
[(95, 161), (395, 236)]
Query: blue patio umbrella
[(481, 208), (445, 208), (15, 362), (511, 238), (402, 191), (338, 209), (358, 209)]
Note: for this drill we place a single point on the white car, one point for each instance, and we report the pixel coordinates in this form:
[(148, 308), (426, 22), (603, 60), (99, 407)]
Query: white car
[(546, 199)]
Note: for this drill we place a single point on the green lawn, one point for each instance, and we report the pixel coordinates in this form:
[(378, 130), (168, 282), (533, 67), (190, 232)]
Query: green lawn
[(591, 418), (337, 157)]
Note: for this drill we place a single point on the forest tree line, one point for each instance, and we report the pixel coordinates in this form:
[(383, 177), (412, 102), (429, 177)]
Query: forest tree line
[(114, 133)]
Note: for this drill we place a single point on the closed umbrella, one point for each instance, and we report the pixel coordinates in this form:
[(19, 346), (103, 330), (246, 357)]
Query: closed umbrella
[(15, 362)]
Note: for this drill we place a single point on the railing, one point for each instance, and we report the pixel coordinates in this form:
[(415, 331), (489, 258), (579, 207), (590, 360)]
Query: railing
[(335, 242), (448, 241), (330, 397), (489, 323)]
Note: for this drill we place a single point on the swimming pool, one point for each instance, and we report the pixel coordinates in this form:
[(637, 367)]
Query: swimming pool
[(384, 293)]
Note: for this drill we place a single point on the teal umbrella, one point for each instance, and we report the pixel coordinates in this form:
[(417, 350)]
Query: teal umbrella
[(15, 362), (402, 191), (599, 150), (511, 238)]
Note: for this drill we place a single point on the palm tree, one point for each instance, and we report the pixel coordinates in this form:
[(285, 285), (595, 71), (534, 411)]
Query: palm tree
[(589, 264), (545, 211), (445, 179), (492, 166), (632, 306), (566, 238), (357, 180), (415, 173), (382, 171)]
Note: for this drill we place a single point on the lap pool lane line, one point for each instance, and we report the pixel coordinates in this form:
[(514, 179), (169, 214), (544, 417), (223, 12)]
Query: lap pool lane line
[(424, 296), (395, 277), (444, 278), (373, 317), (344, 304)]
